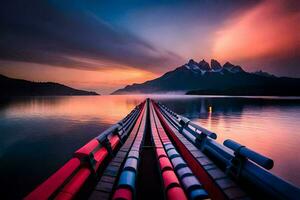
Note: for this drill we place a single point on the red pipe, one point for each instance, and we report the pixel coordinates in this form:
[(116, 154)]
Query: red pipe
[(208, 183)]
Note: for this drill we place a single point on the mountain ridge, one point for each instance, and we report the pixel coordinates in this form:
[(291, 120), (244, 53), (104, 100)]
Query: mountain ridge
[(194, 76), (18, 87)]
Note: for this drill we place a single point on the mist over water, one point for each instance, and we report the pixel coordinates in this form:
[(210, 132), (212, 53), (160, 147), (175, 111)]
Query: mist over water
[(39, 134)]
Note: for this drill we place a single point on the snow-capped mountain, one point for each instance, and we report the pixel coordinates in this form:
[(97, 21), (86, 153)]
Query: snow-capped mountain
[(202, 76), (214, 67)]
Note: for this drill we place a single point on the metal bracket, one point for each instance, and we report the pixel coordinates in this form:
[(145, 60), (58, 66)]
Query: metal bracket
[(106, 143), (236, 164)]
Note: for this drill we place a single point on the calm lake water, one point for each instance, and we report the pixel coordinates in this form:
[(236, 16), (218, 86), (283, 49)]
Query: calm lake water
[(38, 135)]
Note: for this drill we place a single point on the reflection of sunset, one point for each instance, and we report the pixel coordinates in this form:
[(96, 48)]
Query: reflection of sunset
[(270, 129), (106, 109)]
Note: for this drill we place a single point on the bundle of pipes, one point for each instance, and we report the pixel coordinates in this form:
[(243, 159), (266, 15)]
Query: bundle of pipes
[(236, 159)]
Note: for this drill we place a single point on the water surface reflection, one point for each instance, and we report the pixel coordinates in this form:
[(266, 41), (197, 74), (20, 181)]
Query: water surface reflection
[(39, 134), (269, 126)]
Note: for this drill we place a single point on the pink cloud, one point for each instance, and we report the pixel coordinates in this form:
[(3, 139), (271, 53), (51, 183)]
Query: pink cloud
[(270, 29)]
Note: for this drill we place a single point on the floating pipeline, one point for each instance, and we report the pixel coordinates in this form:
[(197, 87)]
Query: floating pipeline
[(185, 157)]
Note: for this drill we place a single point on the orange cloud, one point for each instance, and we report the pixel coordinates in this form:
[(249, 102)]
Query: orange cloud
[(269, 29), (103, 81)]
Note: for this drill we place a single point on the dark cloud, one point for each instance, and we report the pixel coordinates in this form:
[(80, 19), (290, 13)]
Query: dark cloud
[(39, 32), (152, 35), (288, 65)]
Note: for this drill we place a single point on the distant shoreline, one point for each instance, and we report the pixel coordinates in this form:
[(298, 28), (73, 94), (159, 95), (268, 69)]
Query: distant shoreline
[(211, 93), (248, 91), (11, 87)]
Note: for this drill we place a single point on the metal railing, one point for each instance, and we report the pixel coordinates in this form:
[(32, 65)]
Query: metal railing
[(239, 161), (122, 128)]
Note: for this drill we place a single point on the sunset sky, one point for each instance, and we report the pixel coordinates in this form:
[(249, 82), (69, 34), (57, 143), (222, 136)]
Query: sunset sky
[(104, 45)]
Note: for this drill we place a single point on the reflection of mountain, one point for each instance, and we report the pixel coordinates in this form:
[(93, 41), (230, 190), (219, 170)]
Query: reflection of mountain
[(202, 78), (28, 101), (199, 107), (17, 87)]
